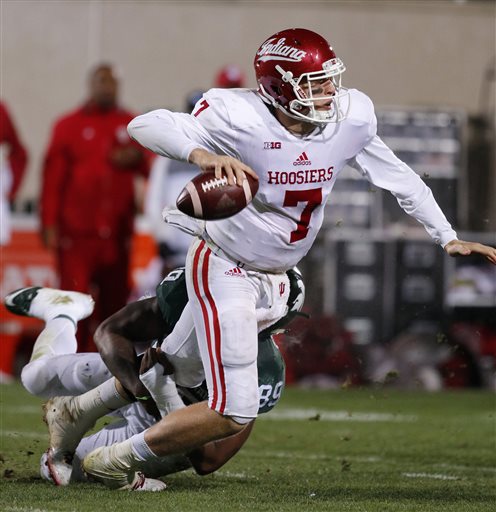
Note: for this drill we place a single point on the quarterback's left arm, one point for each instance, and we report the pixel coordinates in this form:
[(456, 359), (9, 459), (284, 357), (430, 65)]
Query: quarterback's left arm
[(385, 170)]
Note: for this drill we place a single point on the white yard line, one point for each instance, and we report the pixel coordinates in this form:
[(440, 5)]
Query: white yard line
[(466, 468), (434, 476), (372, 459), (230, 474), (25, 509), (310, 456), (315, 414)]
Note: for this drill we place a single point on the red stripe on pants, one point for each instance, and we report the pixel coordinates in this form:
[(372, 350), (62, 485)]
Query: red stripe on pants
[(215, 361), (217, 336)]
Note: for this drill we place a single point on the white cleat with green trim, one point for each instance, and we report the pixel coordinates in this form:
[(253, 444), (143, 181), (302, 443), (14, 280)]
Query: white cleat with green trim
[(48, 303)]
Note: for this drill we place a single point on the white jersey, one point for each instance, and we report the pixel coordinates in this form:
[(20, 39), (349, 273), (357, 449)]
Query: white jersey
[(296, 174)]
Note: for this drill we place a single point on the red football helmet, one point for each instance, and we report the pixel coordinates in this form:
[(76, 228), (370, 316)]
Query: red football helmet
[(294, 58)]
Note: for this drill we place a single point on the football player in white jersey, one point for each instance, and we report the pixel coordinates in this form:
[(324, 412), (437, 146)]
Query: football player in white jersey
[(295, 134)]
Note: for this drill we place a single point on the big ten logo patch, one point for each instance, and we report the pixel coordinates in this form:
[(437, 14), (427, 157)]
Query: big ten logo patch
[(273, 145)]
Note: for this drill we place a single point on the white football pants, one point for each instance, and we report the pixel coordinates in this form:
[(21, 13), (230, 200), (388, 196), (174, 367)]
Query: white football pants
[(224, 299)]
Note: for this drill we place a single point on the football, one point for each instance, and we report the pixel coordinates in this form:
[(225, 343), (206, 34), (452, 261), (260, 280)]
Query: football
[(209, 198)]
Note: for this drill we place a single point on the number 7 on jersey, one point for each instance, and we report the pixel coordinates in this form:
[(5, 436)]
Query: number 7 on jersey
[(313, 198)]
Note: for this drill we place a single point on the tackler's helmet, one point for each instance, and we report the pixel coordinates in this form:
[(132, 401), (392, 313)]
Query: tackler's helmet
[(295, 302), (291, 59)]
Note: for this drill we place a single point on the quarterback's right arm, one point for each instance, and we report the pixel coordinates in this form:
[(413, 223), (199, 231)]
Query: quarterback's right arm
[(204, 138), (170, 134)]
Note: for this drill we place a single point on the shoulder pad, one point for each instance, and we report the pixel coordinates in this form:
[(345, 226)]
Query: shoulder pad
[(361, 110)]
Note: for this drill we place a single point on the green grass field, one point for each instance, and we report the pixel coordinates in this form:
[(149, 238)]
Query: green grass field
[(349, 450)]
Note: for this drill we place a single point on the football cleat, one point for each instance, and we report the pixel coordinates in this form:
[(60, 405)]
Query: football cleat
[(19, 301), (44, 471), (112, 468), (66, 426), (141, 483), (58, 467), (48, 303)]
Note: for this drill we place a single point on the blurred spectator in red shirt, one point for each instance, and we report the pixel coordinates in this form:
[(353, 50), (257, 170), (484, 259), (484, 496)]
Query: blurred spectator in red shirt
[(13, 161), (88, 197)]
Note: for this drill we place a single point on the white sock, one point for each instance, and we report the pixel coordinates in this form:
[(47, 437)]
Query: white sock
[(58, 337), (100, 401), (141, 450), (163, 390)]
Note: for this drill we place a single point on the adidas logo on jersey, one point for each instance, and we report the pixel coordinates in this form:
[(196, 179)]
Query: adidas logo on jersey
[(302, 160), (236, 271)]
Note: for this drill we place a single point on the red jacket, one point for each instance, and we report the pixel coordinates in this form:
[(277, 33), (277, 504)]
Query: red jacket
[(17, 155), (83, 193)]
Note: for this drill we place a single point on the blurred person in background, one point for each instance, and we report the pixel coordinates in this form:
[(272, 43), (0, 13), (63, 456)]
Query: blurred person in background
[(88, 197), (13, 162)]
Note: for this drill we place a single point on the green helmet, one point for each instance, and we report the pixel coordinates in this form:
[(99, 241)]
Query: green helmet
[(295, 302)]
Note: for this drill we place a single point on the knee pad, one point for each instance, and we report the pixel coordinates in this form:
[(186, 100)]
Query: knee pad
[(239, 330)]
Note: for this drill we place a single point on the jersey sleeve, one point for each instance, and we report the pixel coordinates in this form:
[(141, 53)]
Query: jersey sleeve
[(175, 135), (385, 170), (213, 113)]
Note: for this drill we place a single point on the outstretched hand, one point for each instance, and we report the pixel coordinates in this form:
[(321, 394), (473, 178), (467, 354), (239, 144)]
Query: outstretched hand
[(462, 248), (231, 167)]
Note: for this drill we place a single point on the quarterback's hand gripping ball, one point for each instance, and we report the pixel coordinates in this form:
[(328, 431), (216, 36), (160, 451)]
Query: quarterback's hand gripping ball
[(209, 198)]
